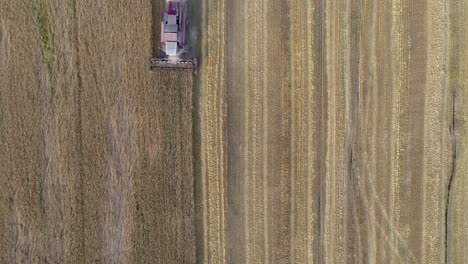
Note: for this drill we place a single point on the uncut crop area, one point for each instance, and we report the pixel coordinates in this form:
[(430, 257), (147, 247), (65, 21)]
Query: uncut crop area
[(314, 132), (95, 150)]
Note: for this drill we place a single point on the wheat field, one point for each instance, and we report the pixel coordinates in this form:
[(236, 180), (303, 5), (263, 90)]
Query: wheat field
[(339, 133), (315, 132), (96, 153)]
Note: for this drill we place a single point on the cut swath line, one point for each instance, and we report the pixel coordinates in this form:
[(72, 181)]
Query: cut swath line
[(397, 71), (246, 140), (310, 57), (204, 175), (373, 236), (213, 137), (221, 114), (265, 132), (434, 145), (292, 143)]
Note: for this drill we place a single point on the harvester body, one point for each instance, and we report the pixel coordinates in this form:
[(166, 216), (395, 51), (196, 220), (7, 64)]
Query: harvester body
[(173, 33)]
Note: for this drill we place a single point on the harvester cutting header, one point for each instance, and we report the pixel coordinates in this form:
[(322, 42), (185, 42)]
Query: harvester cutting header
[(173, 40)]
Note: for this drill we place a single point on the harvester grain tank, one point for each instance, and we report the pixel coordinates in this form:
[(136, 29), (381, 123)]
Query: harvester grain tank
[(173, 40)]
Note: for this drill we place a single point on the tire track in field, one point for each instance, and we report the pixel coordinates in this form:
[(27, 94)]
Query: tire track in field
[(259, 194), (236, 53), (390, 83), (399, 67), (265, 104), (278, 124), (355, 229), (254, 208), (388, 216), (366, 118), (353, 125), (337, 28), (412, 161), (383, 143)]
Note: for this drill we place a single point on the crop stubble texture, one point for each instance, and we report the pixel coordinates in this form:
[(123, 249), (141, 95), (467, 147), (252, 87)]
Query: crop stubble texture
[(344, 121), (212, 124), (331, 132)]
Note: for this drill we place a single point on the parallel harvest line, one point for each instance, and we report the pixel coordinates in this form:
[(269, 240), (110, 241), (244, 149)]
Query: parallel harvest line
[(457, 215), (342, 113), (254, 158), (292, 216), (367, 122), (293, 145), (330, 223), (372, 236), (204, 175), (221, 124), (433, 246), (245, 212), (213, 137), (266, 68), (255, 191), (329, 51), (311, 126), (299, 135), (399, 66)]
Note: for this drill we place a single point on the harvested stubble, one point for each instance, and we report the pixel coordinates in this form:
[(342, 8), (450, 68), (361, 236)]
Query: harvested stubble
[(331, 132), (346, 131)]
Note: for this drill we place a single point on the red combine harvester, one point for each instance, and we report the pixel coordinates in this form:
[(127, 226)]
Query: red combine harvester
[(173, 32)]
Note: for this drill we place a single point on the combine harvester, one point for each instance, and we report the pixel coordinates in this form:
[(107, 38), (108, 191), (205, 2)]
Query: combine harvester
[(173, 32)]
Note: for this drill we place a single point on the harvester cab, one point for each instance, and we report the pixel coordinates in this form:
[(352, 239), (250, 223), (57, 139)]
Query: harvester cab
[(173, 33)]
